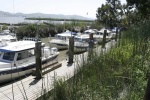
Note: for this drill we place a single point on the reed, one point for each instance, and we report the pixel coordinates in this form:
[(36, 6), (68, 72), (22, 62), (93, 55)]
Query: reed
[(121, 73)]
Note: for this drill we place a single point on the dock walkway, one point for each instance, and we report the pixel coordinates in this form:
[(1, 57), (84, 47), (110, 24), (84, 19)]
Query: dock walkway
[(31, 89)]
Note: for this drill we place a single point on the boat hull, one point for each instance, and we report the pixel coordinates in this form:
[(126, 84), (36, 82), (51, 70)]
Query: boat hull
[(59, 46), (12, 75)]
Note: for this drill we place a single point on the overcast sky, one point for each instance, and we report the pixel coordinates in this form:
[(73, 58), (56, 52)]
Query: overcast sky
[(65, 7)]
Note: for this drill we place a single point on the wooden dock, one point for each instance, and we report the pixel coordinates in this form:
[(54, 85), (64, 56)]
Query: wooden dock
[(31, 89)]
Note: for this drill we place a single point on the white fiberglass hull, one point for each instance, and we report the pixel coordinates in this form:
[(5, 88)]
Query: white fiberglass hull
[(11, 75), (59, 46)]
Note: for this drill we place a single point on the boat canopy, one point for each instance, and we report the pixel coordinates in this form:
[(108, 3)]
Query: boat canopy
[(18, 46)]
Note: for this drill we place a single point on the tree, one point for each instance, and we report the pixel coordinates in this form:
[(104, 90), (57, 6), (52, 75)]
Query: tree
[(109, 14), (4, 27), (143, 7)]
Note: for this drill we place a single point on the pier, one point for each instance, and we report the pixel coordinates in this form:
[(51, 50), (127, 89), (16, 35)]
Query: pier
[(30, 89)]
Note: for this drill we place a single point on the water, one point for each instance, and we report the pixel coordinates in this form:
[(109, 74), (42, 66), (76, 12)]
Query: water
[(16, 20), (62, 54), (11, 20)]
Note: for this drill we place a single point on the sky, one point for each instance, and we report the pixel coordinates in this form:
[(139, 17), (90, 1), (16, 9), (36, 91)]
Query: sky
[(85, 8)]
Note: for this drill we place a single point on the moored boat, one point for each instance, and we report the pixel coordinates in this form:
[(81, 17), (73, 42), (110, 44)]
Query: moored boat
[(62, 40), (6, 37), (81, 43), (18, 59)]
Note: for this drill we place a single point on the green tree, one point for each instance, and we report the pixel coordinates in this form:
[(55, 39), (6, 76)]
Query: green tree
[(110, 13), (143, 7), (4, 27)]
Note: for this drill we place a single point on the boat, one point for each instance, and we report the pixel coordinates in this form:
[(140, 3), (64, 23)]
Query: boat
[(61, 40), (99, 35), (81, 43), (113, 32), (17, 59), (6, 37)]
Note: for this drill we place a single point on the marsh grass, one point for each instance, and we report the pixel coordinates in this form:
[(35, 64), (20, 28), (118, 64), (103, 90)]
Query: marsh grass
[(120, 74)]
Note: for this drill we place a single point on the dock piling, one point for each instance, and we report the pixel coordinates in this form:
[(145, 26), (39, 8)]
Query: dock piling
[(71, 50), (91, 43), (38, 60)]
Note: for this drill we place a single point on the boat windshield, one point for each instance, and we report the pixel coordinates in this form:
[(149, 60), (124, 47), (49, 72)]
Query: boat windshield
[(9, 56), (78, 39), (82, 39), (61, 37)]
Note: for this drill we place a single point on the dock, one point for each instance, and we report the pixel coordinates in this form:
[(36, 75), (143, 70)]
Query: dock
[(30, 89)]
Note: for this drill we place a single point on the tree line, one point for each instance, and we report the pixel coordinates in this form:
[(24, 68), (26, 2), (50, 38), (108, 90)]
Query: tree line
[(114, 14), (49, 29)]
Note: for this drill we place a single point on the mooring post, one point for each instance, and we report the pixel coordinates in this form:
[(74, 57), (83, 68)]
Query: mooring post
[(38, 60), (71, 50), (147, 91), (116, 34), (104, 38), (91, 43)]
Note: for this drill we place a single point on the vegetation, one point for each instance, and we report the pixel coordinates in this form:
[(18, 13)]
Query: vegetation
[(56, 19), (114, 14), (109, 13), (143, 7), (45, 29), (121, 73)]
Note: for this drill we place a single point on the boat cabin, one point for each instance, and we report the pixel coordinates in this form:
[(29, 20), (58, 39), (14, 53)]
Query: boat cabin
[(18, 52)]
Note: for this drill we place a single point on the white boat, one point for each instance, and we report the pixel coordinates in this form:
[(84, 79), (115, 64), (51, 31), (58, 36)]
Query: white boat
[(62, 40), (6, 37), (81, 43), (113, 32), (18, 59), (99, 36), (89, 31)]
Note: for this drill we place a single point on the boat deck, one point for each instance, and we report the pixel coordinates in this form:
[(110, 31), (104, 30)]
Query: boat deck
[(31, 89)]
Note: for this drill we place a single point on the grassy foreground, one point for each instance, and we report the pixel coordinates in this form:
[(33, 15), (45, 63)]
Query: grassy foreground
[(120, 74)]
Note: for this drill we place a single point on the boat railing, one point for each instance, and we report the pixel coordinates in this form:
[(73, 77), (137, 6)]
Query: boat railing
[(30, 39)]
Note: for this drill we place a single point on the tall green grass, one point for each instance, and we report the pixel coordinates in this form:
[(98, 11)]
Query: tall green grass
[(119, 74)]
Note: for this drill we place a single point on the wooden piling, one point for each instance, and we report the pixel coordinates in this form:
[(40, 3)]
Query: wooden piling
[(104, 38), (91, 44), (38, 60), (71, 50)]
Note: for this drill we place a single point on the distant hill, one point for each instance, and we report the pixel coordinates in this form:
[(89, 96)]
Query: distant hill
[(41, 15)]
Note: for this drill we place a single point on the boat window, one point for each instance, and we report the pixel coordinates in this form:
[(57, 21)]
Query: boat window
[(12, 40), (31, 53), (25, 54), (22, 55), (9, 56), (85, 40)]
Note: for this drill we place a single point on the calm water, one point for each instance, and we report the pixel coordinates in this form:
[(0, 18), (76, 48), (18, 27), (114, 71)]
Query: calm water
[(11, 20), (62, 54), (16, 20)]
